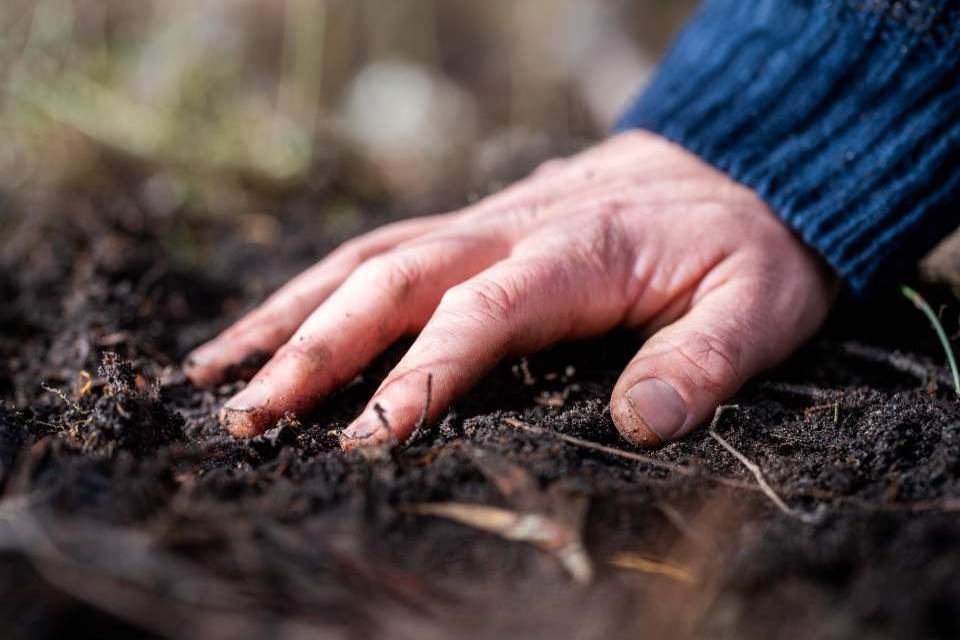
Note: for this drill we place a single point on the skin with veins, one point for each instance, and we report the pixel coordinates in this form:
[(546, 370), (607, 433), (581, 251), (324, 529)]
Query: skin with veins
[(635, 232)]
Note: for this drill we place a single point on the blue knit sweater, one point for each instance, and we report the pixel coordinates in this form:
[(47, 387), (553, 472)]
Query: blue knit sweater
[(843, 115)]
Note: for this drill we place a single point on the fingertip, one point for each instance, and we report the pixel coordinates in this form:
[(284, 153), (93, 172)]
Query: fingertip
[(243, 423), (347, 442), (197, 366), (371, 443), (632, 427), (199, 376), (365, 432)]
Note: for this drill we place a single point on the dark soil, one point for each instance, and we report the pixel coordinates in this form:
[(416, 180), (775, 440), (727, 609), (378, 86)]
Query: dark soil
[(127, 512)]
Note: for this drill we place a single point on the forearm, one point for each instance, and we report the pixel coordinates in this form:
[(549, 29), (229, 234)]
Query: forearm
[(843, 116)]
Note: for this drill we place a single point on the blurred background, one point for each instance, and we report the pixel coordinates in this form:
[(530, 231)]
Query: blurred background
[(237, 112), (224, 106)]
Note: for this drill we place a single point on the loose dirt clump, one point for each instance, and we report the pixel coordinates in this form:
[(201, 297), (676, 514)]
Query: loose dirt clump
[(123, 414)]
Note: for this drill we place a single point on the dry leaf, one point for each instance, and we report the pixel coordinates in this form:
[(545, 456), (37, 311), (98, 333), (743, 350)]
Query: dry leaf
[(551, 520)]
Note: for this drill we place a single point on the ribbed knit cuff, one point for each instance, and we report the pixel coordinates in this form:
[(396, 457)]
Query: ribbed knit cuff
[(843, 115)]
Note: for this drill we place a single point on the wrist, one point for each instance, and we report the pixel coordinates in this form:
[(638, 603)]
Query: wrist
[(844, 121)]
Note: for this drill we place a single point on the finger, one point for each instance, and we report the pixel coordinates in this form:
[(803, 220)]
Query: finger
[(519, 305), (687, 369), (388, 296), (267, 327)]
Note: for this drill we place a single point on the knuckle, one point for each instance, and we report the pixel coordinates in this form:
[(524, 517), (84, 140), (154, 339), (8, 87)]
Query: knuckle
[(527, 213), (298, 303), (597, 249), (714, 360), (353, 250), (308, 355), (393, 273), (283, 304), (484, 300), (604, 243)]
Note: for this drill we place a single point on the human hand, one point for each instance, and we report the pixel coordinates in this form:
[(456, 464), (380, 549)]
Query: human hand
[(635, 232)]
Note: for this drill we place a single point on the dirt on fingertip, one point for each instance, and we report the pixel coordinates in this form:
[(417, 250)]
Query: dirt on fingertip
[(128, 512)]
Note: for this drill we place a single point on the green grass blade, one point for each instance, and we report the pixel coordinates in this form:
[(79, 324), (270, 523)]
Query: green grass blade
[(921, 304)]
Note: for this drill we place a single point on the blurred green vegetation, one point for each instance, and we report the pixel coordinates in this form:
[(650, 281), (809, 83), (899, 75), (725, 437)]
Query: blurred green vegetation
[(203, 102)]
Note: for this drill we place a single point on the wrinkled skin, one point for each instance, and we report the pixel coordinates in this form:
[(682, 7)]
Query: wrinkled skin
[(635, 232)]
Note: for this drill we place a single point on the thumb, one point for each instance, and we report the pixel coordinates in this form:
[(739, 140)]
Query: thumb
[(687, 369)]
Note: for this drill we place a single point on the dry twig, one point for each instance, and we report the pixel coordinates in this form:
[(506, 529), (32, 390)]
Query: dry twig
[(946, 505), (754, 469), (675, 467), (422, 420)]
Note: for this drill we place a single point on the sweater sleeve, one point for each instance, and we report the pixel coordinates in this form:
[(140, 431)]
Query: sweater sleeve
[(843, 115)]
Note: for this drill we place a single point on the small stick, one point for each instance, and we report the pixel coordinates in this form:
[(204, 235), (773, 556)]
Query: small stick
[(595, 446), (682, 469), (947, 505), (422, 421), (382, 416), (922, 304), (755, 470)]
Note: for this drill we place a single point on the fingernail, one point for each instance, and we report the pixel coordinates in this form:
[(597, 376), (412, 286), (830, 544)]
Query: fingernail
[(199, 357), (362, 428), (370, 427), (245, 414), (658, 406), (196, 366)]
